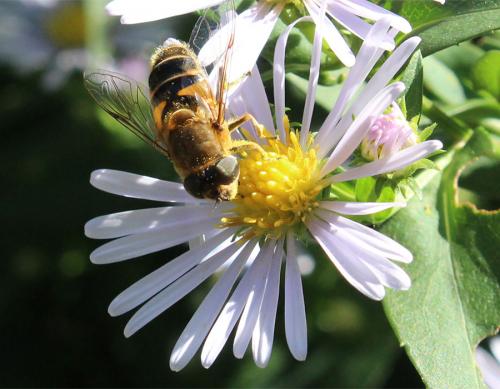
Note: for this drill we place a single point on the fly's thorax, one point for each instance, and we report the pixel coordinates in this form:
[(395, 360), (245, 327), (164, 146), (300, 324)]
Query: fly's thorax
[(192, 142)]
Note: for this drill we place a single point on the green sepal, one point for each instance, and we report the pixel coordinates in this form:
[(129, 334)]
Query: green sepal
[(426, 132)]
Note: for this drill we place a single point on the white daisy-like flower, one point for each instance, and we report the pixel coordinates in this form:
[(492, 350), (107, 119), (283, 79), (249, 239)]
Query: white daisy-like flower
[(254, 26), (280, 199)]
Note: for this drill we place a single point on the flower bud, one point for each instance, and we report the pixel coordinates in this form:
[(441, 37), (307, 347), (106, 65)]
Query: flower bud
[(388, 134)]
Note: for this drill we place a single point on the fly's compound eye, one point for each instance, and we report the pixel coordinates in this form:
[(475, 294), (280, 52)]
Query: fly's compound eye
[(227, 170), (195, 185), (207, 183)]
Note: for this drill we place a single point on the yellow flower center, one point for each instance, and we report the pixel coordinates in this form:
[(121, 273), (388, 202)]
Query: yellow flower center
[(278, 187), (66, 26)]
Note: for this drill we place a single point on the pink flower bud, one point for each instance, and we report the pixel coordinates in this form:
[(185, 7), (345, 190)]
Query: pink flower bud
[(388, 134)]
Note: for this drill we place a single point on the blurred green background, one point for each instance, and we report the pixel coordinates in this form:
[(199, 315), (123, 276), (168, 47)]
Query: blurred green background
[(54, 327)]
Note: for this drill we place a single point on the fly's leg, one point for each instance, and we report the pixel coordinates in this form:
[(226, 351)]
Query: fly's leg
[(244, 146), (261, 131)]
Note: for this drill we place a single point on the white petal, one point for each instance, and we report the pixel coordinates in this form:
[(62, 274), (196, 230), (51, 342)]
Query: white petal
[(236, 106), (387, 273), (330, 131), (196, 242), (252, 29), (331, 35), (295, 313), (229, 241), (490, 368), (139, 221), (390, 163), (239, 102), (368, 55), (202, 320), (279, 74), (133, 246), (180, 288), (367, 9), (252, 306), (386, 72), (353, 271), (495, 347), (353, 208), (356, 25), (227, 319), (219, 41), (251, 36), (263, 334), (154, 282), (141, 187), (358, 129), (313, 78), (368, 237), (134, 11)]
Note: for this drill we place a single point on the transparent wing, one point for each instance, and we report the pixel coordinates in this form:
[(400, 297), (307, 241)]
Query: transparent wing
[(214, 25), (204, 29), (213, 39), (126, 101)]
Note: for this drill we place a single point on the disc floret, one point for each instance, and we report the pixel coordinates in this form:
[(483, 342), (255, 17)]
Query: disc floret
[(278, 187)]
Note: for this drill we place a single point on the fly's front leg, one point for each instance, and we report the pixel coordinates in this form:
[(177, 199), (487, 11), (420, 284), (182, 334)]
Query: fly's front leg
[(243, 146), (261, 131)]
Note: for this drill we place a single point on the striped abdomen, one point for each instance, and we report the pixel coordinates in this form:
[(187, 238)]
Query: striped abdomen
[(174, 67)]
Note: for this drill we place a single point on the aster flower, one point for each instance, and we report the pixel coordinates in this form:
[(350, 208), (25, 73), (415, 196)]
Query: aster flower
[(254, 25), (280, 200)]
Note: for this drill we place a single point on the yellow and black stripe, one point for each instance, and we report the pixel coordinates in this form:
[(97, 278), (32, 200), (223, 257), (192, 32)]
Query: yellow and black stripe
[(174, 67)]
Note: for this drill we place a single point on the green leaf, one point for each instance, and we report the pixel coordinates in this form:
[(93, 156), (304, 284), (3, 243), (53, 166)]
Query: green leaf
[(412, 77), (460, 58), (449, 130), (486, 73), (425, 11), (455, 22), (491, 42), (378, 189), (474, 111), (442, 82), (453, 302), (479, 183)]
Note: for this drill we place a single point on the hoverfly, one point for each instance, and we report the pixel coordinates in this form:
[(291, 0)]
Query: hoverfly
[(183, 118)]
